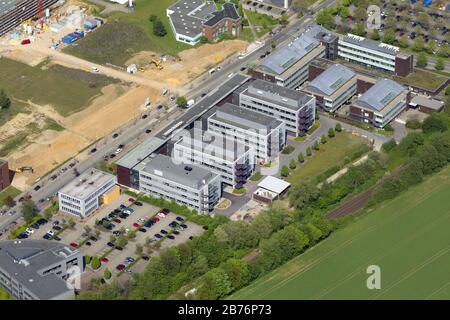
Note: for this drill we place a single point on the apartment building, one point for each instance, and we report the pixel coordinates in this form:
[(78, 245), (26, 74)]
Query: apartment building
[(4, 175), (39, 269), (295, 108), (265, 134), (83, 195), (375, 54), (381, 103), (231, 159), (333, 87), (187, 184), (288, 66)]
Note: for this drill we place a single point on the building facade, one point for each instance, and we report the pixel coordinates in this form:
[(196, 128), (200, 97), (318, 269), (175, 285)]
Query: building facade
[(295, 108), (226, 21), (375, 54), (333, 87), (4, 175), (82, 196), (265, 134), (190, 185), (380, 104), (230, 159), (288, 66), (39, 269)]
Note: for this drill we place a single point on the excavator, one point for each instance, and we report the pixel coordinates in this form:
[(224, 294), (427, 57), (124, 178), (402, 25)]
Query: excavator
[(23, 169), (157, 64)]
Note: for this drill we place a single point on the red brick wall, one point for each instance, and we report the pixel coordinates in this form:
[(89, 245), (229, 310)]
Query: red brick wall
[(4, 176)]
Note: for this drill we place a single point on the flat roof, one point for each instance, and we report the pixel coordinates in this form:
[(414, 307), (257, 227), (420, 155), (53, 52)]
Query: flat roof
[(85, 184), (24, 259), (427, 102), (371, 44), (380, 94), (7, 5), (245, 118), (285, 57), (140, 152), (228, 12), (268, 91), (274, 184), (331, 79), (188, 175)]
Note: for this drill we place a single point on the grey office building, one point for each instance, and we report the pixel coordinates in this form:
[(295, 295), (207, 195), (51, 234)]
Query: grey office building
[(296, 109), (190, 185), (38, 269)]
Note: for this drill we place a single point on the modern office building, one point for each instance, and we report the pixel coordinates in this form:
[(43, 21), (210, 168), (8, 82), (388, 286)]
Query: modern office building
[(83, 195), (39, 269), (375, 54), (190, 185), (265, 134), (14, 12), (288, 66), (381, 103), (333, 87), (231, 159), (4, 175), (192, 19), (295, 108)]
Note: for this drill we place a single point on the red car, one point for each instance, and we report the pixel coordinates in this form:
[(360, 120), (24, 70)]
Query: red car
[(136, 225), (26, 41), (165, 211), (120, 267), (104, 260), (117, 221), (155, 219), (132, 200), (73, 244)]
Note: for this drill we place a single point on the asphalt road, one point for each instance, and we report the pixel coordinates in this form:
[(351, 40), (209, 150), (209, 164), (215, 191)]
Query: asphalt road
[(133, 132)]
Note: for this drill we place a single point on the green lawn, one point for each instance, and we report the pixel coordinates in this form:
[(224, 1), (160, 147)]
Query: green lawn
[(330, 154), (10, 191), (265, 22), (424, 79), (67, 90), (407, 238)]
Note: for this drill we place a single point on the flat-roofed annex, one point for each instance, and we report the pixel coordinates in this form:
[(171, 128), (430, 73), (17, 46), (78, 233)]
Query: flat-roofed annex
[(88, 182)]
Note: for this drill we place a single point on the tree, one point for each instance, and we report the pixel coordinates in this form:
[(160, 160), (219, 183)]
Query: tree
[(388, 146), (434, 123), (29, 210), (238, 272), (5, 102), (418, 44), (431, 48), (95, 263), (403, 41), (71, 222), (139, 249), (422, 60), (158, 28), (331, 133), (323, 139), (284, 171), (316, 146), (444, 51), (325, 19), (375, 35), (338, 127), (360, 14), (302, 195), (359, 30), (344, 12), (292, 164), (308, 151), (301, 157), (107, 274), (440, 64), (122, 241), (389, 36), (9, 201), (181, 102)]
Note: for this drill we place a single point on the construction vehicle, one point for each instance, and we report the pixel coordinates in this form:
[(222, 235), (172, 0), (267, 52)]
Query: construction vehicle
[(22, 169), (157, 64)]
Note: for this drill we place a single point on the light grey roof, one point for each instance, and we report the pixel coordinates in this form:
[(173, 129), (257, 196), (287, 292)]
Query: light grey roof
[(282, 59), (380, 94), (190, 175), (427, 102), (188, 16), (268, 91), (331, 79), (140, 152), (371, 44), (84, 185), (7, 5), (274, 184), (35, 255), (245, 118)]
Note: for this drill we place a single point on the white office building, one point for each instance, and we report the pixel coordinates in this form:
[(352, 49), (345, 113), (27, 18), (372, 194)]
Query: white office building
[(295, 108), (82, 196), (190, 185), (265, 134), (232, 160)]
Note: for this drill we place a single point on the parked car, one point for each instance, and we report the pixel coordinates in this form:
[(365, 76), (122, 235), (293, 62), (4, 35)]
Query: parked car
[(131, 199), (120, 267), (138, 203), (73, 244), (179, 218), (176, 232), (171, 237), (93, 239), (29, 231), (157, 235), (136, 225), (119, 248), (117, 220), (104, 260), (165, 211), (110, 244), (146, 258), (164, 231), (142, 230)]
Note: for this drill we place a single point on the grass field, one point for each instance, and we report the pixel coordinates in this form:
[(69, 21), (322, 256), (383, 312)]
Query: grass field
[(408, 238), (67, 90), (10, 191), (330, 154), (262, 22)]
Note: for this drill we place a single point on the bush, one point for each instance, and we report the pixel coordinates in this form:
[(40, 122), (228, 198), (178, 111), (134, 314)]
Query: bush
[(308, 151), (413, 124), (301, 157), (284, 171), (95, 263), (388, 146), (292, 164), (107, 274), (316, 146), (331, 133), (338, 127), (288, 149), (434, 123), (323, 139)]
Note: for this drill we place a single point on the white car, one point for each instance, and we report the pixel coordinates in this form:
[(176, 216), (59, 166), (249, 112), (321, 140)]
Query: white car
[(128, 212), (95, 70), (29, 231), (51, 233), (142, 220), (119, 150), (161, 215)]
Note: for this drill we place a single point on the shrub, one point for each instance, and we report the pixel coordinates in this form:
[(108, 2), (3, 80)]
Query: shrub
[(288, 149), (413, 124), (388, 146), (434, 123), (95, 263), (107, 274), (292, 164), (308, 151), (338, 127), (301, 157), (285, 171), (323, 139), (331, 133)]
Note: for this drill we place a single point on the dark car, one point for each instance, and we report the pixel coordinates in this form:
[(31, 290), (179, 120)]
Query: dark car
[(184, 226), (115, 135), (47, 236), (88, 243), (37, 188), (176, 232), (121, 146), (179, 219), (149, 224), (120, 267), (164, 231), (57, 228), (205, 227), (157, 235), (146, 258), (23, 235), (53, 177), (93, 150), (171, 237), (165, 211), (139, 204), (142, 230), (93, 239), (191, 237), (144, 116), (57, 238), (173, 224), (119, 248), (148, 130), (243, 69), (123, 215), (110, 226), (110, 244), (35, 225)]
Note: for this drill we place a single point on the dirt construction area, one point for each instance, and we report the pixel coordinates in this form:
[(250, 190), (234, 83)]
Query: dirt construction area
[(115, 104)]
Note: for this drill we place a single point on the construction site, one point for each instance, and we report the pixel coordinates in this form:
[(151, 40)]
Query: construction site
[(37, 42)]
